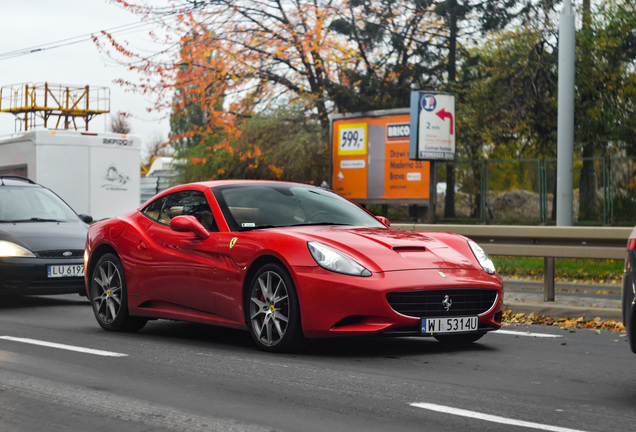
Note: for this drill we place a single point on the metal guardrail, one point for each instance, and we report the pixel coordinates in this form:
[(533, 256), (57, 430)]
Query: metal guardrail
[(549, 242), (150, 186)]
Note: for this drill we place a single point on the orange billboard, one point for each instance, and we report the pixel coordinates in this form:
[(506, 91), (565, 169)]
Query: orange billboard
[(370, 158)]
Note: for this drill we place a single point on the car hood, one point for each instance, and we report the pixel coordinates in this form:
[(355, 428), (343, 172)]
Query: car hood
[(392, 250), (41, 236)]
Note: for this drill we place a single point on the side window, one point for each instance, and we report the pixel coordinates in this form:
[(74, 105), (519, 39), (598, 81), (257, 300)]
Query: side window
[(153, 210), (182, 203)]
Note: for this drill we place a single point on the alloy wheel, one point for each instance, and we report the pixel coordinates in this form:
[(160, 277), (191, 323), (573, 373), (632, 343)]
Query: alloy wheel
[(269, 308), (107, 292)]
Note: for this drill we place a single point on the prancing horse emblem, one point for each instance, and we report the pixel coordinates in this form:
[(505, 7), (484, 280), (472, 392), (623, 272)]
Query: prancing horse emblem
[(447, 302)]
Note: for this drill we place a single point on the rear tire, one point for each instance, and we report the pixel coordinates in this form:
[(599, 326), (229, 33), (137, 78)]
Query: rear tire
[(273, 313), (629, 310), (631, 328), (109, 296)]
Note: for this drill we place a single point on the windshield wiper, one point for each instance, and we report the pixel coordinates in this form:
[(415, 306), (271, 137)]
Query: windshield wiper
[(320, 223), (35, 219)]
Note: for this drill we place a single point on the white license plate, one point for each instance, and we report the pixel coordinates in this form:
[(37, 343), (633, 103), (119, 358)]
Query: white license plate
[(449, 325), (74, 270)]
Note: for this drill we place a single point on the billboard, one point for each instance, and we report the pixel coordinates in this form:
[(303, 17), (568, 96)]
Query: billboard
[(432, 126), (370, 158)]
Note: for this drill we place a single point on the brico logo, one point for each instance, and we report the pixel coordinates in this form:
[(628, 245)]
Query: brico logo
[(115, 141), (398, 131)]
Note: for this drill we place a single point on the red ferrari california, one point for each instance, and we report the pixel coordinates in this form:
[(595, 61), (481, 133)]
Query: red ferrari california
[(285, 261)]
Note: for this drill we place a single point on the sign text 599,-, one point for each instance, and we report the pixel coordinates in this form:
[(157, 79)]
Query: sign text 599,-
[(352, 139)]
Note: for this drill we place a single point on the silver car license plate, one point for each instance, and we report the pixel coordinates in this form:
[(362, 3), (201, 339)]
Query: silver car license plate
[(449, 325), (73, 270)]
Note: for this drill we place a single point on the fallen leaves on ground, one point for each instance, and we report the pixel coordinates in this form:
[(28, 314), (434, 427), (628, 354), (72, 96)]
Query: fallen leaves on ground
[(597, 324)]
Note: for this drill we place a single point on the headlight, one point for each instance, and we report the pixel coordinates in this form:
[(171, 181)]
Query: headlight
[(482, 257), (332, 260), (8, 249)]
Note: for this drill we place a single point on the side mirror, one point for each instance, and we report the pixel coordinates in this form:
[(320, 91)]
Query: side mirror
[(86, 218), (384, 221), (189, 224)]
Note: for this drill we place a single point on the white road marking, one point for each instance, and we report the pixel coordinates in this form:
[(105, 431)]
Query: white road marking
[(491, 418), (65, 347), (527, 334)]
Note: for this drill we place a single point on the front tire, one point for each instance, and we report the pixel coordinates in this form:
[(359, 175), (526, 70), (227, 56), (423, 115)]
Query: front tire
[(273, 311), (109, 298)]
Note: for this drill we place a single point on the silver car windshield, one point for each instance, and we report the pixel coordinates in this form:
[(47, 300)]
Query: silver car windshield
[(267, 205), (33, 204)]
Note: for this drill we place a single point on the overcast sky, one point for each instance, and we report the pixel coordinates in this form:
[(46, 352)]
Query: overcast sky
[(36, 23)]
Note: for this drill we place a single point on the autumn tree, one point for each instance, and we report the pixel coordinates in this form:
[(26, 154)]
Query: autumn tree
[(119, 124), (292, 144), (156, 146), (395, 45), (236, 59), (509, 92), (464, 21), (280, 144), (507, 99), (605, 116), (198, 122), (264, 52), (197, 104)]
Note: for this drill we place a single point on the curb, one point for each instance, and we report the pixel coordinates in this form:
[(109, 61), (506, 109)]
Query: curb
[(572, 300)]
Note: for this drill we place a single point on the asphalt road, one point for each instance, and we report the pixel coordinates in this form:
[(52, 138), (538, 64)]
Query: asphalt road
[(60, 372)]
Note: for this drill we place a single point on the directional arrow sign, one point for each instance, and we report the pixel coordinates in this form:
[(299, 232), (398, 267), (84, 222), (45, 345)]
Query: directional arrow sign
[(443, 114), (432, 126)]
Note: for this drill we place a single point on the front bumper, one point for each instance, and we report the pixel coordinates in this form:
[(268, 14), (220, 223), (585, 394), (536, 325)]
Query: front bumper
[(339, 305), (29, 276)]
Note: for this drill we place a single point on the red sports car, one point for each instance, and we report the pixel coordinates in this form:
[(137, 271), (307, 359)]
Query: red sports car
[(285, 261)]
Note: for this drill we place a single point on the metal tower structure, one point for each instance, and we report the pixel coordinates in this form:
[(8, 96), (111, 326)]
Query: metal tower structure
[(56, 106)]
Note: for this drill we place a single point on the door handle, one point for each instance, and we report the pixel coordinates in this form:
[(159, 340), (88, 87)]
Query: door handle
[(142, 245)]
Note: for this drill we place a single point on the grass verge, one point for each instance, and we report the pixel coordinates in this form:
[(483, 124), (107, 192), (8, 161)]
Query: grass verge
[(579, 270)]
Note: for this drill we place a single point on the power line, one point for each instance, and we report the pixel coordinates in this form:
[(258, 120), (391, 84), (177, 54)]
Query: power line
[(72, 41)]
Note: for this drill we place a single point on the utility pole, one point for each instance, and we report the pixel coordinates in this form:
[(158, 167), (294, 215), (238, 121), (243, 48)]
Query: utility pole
[(565, 130), (565, 136)]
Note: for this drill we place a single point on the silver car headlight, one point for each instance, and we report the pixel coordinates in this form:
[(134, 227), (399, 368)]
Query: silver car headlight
[(8, 249), (482, 257), (335, 261)]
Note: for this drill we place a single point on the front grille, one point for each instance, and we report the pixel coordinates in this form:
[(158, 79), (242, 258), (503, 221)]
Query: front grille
[(75, 253), (430, 303)]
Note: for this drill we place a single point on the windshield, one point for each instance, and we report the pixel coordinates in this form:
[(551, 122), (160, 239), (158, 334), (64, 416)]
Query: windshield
[(265, 205), (33, 204)]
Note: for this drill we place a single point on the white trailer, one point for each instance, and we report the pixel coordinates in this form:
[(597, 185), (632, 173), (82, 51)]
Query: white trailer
[(95, 173)]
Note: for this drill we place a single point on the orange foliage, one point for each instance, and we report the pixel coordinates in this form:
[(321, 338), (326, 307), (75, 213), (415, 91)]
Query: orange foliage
[(276, 170)]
